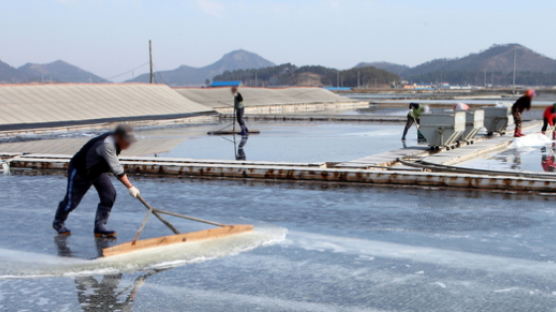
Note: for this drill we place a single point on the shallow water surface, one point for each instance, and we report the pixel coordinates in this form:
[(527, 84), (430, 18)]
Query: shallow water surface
[(278, 141), (537, 157), (317, 248)]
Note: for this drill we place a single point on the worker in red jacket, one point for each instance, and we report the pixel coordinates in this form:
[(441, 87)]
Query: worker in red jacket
[(548, 117), (522, 104)]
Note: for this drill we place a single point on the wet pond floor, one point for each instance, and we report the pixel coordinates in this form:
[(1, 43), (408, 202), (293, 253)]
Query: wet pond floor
[(537, 157), (316, 248), (278, 141)]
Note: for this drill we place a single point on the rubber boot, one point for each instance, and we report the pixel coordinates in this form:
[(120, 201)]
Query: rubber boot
[(59, 219), (100, 221)]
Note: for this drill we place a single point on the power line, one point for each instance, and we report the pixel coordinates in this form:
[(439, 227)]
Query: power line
[(128, 71), (158, 77)]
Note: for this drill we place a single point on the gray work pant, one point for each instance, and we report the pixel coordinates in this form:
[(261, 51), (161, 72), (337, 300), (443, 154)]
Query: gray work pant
[(239, 117), (410, 121), (78, 186)]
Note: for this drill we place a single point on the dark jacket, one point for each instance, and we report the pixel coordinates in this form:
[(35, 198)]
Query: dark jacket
[(98, 156), (522, 104), (238, 101)]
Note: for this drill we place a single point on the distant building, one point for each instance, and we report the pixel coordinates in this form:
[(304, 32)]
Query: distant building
[(418, 87), (219, 84), (337, 88)]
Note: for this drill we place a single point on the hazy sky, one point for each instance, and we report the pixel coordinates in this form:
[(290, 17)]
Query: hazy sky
[(108, 37)]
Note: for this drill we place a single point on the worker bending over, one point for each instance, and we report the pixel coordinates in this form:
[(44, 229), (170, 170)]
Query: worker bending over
[(239, 110), (91, 167), (548, 117), (522, 104), (414, 116), (461, 107)]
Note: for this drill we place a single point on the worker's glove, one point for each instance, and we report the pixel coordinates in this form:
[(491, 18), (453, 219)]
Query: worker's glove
[(134, 192)]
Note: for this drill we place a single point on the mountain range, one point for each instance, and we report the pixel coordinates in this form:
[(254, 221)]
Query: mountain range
[(492, 66), (57, 71), (60, 71), (187, 75), (9, 74)]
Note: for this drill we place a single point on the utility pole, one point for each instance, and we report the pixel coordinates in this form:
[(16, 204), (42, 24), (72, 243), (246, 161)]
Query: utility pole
[(358, 79), (338, 79), (485, 79), (515, 67), (151, 70)]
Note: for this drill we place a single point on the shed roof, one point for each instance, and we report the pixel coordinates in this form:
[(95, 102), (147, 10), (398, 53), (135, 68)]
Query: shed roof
[(36, 105), (221, 97)]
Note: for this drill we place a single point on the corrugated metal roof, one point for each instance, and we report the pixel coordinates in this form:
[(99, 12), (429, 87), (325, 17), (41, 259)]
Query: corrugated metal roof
[(60, 104), (221, 97)]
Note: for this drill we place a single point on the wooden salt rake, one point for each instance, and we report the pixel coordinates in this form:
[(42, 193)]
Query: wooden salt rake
[(221, 230)]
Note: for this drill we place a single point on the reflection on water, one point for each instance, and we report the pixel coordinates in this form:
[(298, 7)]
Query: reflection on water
[(537, 159), (548, 160), (516, 163), (103, 293), (278, 141), (240, 154)]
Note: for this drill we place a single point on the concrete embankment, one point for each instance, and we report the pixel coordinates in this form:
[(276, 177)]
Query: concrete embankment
[(322, 117), (62, 106), (268, 100), (299, 172)]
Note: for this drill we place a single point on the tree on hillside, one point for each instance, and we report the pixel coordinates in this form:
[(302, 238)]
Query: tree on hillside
[(291, 75)]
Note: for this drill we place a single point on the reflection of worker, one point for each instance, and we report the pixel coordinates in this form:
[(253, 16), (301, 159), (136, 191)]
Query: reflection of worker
[(106, 295), (548, 117), (103, 294), (516, 164), (414, 116), (240, 155), (239, 110), (90, 167), (521, 105), (548, 161)]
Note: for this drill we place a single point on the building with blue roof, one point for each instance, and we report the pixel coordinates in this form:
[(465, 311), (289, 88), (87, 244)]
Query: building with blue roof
[(217, 84)]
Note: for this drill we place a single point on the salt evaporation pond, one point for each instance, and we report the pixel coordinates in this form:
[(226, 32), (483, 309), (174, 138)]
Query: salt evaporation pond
[(318, 248), (530, 154), (278, 141)]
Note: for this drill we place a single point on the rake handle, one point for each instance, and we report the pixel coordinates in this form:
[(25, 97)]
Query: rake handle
[(142, 227), (178, 215), (155, 213)]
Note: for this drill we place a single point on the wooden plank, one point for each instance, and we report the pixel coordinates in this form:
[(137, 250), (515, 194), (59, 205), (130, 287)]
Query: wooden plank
[(230, 132), (174, 239)]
